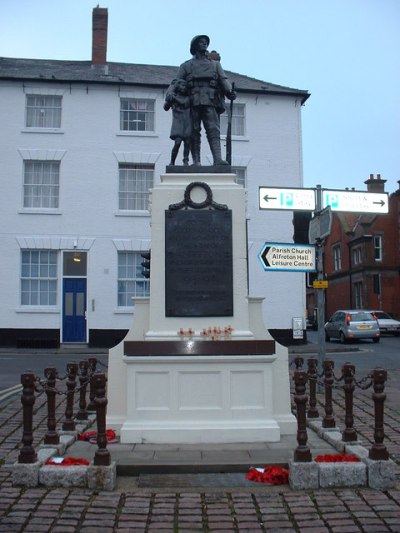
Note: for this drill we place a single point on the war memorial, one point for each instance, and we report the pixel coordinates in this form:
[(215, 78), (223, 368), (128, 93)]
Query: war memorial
[(198, 364)]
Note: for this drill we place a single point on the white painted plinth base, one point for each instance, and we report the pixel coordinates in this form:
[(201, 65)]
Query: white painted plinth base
[(180, 432), (204, 399)]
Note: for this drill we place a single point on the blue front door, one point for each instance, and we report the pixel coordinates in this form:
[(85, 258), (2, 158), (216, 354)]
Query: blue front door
[(74, 310)]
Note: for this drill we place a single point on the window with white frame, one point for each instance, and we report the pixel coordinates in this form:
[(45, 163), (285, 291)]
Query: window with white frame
[(41, 184), (358, 297), (356, 255), (240, 175), (43, 111), (238, 120), (137, 114), (131, 282), (39, 277), (378, 247), (337, 257), (135, 181)]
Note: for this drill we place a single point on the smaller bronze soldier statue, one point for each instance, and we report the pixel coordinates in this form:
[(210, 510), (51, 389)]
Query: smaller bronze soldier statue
[(178, 100)]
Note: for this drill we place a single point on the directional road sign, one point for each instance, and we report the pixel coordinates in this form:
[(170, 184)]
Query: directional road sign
[(356, 201), (287, 199), (289, 257), (320, 225)]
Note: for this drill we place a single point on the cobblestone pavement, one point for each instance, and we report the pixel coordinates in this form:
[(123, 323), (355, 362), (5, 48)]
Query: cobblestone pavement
[(258, 509)]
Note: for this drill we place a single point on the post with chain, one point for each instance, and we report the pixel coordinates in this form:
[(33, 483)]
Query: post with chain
[(51, 436), (92, 369), (298, 362), (27, 453), (82, 413), (102, 456), (302, 453), (312, 363), (349, 434), (378, 450), (72, 371), (328, 421)]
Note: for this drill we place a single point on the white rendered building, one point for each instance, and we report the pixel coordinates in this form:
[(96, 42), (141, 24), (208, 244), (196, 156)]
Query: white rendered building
[(81, 144)]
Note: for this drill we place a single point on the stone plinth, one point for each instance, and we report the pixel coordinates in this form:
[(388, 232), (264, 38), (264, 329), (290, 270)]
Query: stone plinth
[(174, 395)]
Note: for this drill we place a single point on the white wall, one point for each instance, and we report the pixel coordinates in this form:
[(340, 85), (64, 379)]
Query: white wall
[(91, 145)]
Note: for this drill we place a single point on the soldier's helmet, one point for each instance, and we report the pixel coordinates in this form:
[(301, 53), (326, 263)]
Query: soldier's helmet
[(193, 42)]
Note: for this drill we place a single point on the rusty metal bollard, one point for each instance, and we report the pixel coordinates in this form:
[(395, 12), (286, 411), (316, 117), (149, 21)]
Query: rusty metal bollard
[(51, 436), (328, 421), (312, 363), (27, 453), (92, 369), (378, 450), (72, 371), (349, 434), (302, 453), (83, 381), (102, 456), (298, 362)]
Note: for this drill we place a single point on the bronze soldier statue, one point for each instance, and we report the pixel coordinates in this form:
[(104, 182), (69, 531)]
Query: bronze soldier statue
[(207, 85)]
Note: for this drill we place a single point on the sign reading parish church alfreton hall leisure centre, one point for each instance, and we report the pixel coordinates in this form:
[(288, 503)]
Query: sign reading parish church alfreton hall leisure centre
[(292, 257)]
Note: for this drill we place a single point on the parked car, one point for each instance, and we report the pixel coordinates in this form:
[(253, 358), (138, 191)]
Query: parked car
[(387, 324), (352, 324)]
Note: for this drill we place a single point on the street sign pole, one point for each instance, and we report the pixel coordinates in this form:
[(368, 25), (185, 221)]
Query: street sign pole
[(322, 202), (320, 292)]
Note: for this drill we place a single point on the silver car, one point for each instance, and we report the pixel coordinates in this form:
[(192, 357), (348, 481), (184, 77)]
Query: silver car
[(352, 324), (387, 324)]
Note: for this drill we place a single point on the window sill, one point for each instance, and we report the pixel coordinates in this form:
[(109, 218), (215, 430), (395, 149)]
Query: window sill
[(136, 134), (39, 211), (124, 311), (42, 130), (132, 214), (37, 309)]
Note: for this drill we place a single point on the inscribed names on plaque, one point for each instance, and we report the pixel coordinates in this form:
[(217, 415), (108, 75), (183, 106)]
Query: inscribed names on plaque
[(198, 263)]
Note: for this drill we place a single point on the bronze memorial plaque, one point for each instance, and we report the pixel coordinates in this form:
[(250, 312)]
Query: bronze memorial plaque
[(198, 263)]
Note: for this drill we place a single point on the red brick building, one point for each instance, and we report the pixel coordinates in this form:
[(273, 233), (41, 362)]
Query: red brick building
[(362, 259)]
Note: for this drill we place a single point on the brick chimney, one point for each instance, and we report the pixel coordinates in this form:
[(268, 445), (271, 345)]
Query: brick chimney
[(375, 184), (99, 35)]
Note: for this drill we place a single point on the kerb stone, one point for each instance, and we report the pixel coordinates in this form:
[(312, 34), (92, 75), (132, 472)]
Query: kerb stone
[(335, 439), (102, 477), (381, 474), (26, 475), (44, 454), (303, 475), (342, 474), (63, 476)]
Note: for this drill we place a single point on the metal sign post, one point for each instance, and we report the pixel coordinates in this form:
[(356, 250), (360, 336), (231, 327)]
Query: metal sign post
[(320, 292), (322, 202)]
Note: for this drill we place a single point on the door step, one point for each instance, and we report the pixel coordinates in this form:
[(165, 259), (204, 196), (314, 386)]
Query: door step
[(73, 346)]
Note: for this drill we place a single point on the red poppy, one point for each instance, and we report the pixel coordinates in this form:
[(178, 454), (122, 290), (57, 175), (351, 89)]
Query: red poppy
[(91, 436), (336, 458), (274, 475), (66, 461)]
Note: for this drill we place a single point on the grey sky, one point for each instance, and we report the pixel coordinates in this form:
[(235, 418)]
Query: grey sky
[(345, 52)]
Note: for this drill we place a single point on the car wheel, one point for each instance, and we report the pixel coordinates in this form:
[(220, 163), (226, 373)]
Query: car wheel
[(342, 338), (327, 338), (377, 339)]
